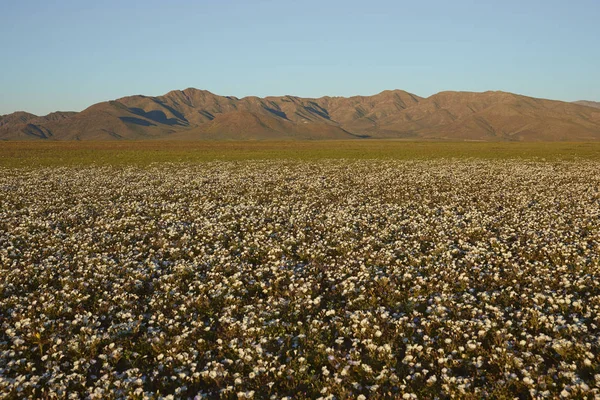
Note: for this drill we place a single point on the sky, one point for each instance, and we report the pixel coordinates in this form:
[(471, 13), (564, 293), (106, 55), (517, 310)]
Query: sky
[(66, 55)]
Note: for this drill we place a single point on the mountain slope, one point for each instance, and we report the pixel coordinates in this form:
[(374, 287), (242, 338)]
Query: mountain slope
[(193, 114), (588, 103), (499, 116), (22, 125), (245, 125)]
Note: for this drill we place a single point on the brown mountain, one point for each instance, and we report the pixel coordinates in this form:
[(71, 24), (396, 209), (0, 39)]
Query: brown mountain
[(23, 125), (588, 103), (194, 114)]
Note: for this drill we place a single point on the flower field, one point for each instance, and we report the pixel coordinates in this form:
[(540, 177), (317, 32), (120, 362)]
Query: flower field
[(338, 279)]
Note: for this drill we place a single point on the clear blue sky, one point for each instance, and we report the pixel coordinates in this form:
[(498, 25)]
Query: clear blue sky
[(66, 55)]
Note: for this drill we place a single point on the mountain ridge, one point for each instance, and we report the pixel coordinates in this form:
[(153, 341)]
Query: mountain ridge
[(195, 114)]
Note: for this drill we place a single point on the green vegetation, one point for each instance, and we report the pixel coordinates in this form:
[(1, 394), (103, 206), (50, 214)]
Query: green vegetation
[(25, 154)]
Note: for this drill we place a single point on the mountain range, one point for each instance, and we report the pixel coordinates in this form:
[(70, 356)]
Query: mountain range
[(194, 114)]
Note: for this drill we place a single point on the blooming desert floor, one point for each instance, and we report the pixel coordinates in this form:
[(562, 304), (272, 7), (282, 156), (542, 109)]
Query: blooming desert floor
[(326, 278)]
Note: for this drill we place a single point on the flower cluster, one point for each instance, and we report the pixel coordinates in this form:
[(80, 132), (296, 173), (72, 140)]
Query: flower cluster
[(275, 279)]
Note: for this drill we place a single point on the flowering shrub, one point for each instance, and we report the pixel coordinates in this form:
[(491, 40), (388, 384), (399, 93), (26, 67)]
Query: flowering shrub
[(332, 279)]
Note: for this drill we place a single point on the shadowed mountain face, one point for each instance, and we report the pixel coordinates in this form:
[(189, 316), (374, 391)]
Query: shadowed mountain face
[(194, 114)]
